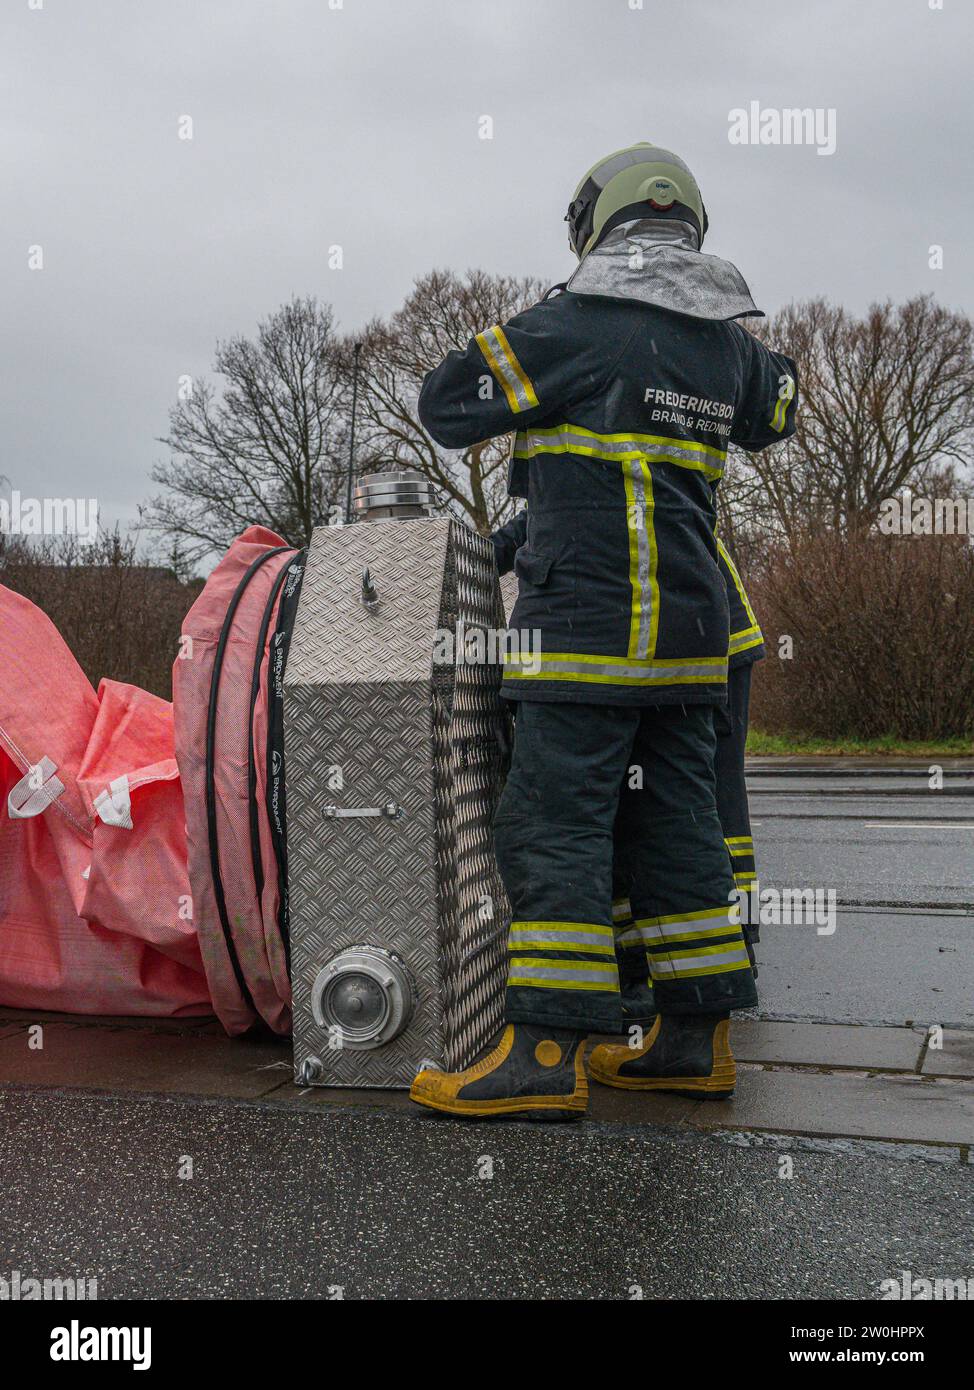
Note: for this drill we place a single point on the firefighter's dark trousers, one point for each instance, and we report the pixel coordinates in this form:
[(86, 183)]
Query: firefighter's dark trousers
[(732, 807), (730, 726), (579, 772)]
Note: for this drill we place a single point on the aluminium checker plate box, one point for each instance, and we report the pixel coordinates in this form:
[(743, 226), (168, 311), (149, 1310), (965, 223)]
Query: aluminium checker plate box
[(371, 719)]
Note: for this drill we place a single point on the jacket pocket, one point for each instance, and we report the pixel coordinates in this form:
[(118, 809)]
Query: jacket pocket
[(533, 566)]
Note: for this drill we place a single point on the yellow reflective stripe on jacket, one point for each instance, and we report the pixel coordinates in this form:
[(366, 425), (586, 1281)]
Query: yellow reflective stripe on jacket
[(643, 559), (513, 379), (786, 395), (740, 845), (725, 556), (621, 448), (609, 670), (750, 636), (741, 641)]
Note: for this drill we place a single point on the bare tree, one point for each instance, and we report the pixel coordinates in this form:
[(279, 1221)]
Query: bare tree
[(266, 448), (442, 312), (886, 401)]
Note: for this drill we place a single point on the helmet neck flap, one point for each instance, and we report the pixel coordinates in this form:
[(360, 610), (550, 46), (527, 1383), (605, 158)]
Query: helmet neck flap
[(655, 261)]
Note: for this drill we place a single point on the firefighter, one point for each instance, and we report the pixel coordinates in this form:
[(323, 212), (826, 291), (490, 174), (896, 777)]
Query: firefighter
[(624, 391), (745, 647)]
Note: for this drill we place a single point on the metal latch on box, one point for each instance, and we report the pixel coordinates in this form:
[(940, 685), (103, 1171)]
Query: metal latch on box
[(391, 810)]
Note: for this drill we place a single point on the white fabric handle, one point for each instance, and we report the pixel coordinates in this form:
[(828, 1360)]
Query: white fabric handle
[(114, 804), (35, 791)]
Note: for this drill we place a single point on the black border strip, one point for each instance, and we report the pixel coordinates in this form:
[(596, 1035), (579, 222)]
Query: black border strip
[(253, 808), (280, 646)]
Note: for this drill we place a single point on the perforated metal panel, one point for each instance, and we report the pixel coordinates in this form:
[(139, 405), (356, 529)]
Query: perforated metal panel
[(371, 719)]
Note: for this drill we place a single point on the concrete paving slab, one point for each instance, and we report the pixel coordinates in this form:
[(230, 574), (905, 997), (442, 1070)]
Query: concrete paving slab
[(848, 1046), (955, 1058), (123, 1059), (201, 1023), (128, 1059), (605, 1104), (878, 967), (785, 1096), (844, 1104), (631, 1108), (337, 1097)]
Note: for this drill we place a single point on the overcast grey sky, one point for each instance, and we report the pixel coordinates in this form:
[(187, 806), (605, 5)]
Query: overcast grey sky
[(358, 124)]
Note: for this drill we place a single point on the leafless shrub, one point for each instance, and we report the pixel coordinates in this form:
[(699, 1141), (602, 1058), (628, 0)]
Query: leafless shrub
[(882, 630), (120, 617)]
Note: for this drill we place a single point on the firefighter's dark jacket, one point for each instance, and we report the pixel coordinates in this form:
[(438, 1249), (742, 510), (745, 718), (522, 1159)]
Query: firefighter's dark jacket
[(746, 643), (623, 412)]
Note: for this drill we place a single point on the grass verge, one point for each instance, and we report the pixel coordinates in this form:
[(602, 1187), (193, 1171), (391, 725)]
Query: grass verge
[(799, 745)]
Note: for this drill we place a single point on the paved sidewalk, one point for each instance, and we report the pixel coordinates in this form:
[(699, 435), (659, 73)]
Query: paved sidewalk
[(824, 1080)]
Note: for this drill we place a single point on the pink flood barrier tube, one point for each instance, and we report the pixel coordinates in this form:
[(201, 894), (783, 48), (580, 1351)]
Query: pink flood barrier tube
[(94, 893), (139, 872), (221, 739)]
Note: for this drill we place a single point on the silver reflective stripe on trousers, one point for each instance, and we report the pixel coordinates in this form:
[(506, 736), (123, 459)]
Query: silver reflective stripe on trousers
[(541, 970), (525, 937), (675, 964)]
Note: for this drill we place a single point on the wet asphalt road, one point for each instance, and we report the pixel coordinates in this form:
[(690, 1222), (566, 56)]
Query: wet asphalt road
[(900, 857), (377, 1205)]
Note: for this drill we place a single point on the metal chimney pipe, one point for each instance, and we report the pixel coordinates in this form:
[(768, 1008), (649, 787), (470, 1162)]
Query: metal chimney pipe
[(394, 495)]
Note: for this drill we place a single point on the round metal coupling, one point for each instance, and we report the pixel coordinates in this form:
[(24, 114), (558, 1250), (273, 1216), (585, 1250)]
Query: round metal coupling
[(401, 492), (365, 992)]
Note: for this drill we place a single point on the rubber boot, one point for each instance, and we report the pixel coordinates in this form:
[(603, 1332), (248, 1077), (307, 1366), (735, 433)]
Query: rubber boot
[(688, 1054), (638, 1004), (534, 1073)]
